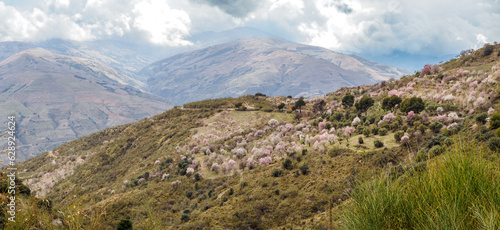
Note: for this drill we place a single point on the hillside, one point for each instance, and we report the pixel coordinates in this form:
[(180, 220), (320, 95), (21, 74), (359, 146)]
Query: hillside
[(267, 65), (60, 98), (260, 162)]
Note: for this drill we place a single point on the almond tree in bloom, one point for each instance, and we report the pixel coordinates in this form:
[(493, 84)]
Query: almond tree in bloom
[(491, 111), (442, 118), (321, 125), (265, 160), (388, 118), (410, 116), (405, 139), (355, 121), (426, 70)]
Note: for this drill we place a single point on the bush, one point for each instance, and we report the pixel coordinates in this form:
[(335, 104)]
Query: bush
[(184, 217), (398, 135), (304, 152), (421, 156), (495, 121), (287, 164), (481, 118), (436, 150), (334, 151), (414, 104), (348, 100), (367, 131), (488, 49), (498, 132), (124, 224), (435, 126), (382, 131), (189, 194), (277, 173), (494, 143), (375, 130), (304, 169), (360, 140), (378, 144)]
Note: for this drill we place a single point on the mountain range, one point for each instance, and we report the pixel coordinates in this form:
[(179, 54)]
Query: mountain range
[(58, 98), (267, 65)]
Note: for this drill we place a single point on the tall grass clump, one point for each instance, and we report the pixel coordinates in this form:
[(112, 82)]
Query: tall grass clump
[(459, 189)]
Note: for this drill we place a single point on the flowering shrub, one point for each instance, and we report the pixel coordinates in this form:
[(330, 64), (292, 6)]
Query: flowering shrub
[(388, 118), (355, 121), (442, 117), (453, 116), (473, 84), (265, 160), (239, 152), (491, 111), (273, 122), (321, 125), (405, 139), (348, 131), (426, 70)]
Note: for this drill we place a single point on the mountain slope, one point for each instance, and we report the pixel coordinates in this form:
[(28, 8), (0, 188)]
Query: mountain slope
[(258, 170), (59, 98), (267, 65)]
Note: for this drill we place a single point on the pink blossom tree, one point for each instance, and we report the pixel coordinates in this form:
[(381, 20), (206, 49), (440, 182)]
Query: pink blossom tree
[(321, 125), (426, 70), (410, 116), (265, 160)]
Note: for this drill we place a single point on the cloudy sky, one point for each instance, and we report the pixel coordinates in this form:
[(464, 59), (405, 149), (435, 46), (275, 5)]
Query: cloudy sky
[(424, 27)]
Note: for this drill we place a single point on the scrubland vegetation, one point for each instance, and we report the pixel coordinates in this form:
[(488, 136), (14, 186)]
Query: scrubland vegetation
[(420, 152)]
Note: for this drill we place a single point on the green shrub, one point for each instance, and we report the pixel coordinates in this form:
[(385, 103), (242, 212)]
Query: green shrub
[(125, 224), (398, 135), (378, 144), (498, 132), (495, 121), (189, 194), (375, 130), (414, 104), (304, 151), (488, 49), (304, 169), (382, 131), (184, 217), (231, 191), (436, 126), (436, 150), (277, 173), (360, 140), (335, 151), (481, 118), (494, 143), (287, 164), (421, 156), (367, 131)]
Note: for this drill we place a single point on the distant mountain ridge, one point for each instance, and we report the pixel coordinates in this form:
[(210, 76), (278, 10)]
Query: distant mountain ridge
[(59, 98), (267, 65)]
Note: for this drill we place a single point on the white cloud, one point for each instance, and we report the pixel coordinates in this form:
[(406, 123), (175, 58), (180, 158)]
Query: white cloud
[(165, 26), (430, 27)]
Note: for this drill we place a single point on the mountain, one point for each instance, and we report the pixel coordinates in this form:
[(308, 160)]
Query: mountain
[(266, 65), (219, 165), (59, 98)]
